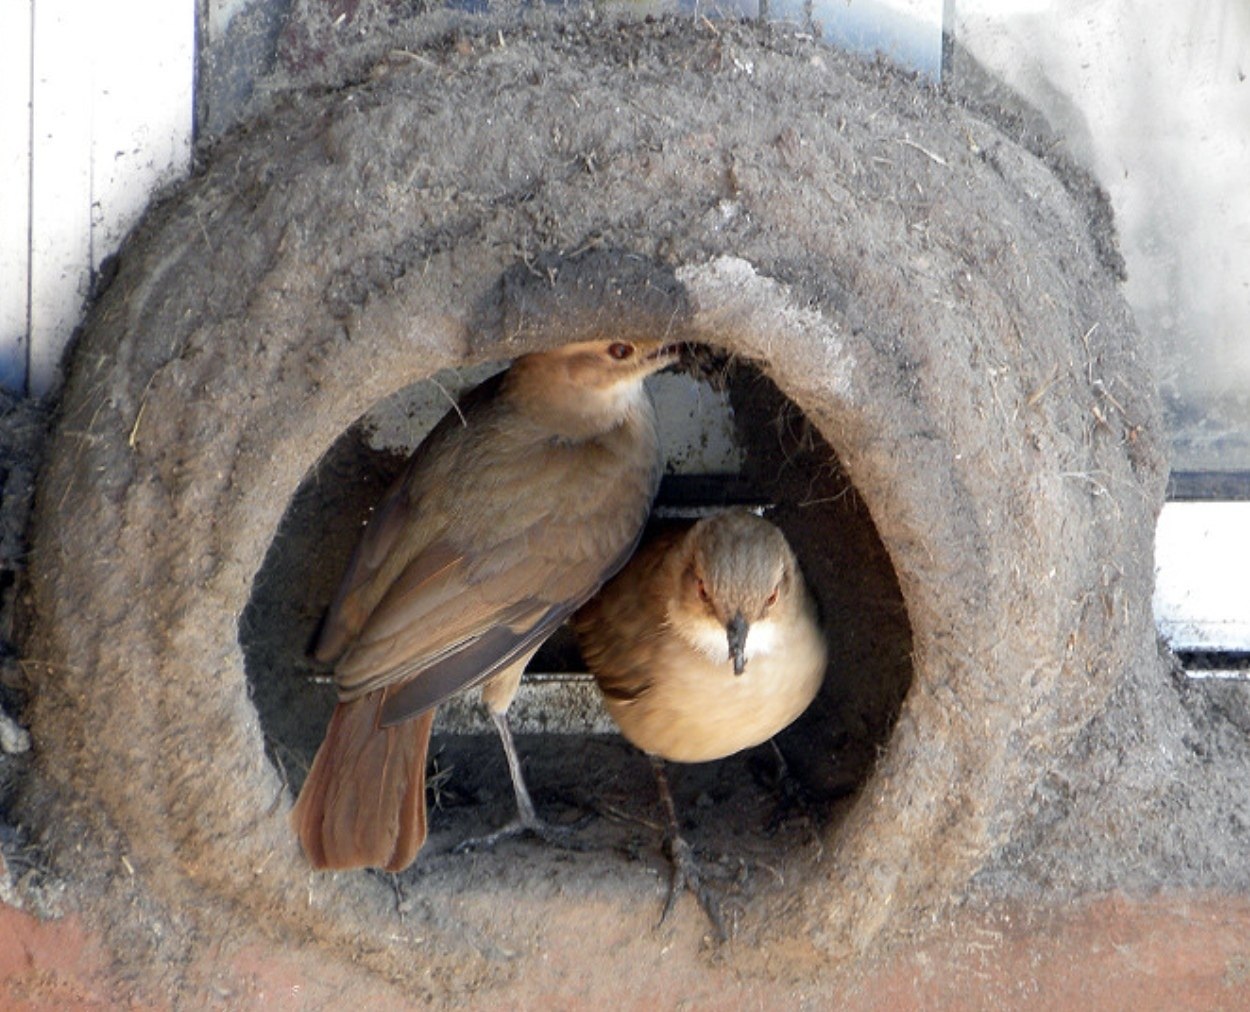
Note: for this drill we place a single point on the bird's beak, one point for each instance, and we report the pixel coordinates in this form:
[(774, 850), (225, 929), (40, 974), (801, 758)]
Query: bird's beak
[(737, 630), (662, 356)]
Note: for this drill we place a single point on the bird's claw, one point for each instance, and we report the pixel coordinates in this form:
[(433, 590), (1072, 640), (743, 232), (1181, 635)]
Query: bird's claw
[(563, 836), (791, 804), (792, 799), (687, 876)]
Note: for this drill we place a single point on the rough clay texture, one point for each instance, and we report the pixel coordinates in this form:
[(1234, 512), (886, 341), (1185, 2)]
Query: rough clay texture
[(922, 289)]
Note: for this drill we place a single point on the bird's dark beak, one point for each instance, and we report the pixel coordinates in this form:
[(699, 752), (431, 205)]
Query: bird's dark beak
[(737, 630)]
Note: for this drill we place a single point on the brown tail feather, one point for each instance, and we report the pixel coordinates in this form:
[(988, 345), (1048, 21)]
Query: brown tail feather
[(363, 804)]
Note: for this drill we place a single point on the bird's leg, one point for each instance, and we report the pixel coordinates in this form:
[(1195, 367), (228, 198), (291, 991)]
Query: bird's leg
[(685, 873), (792, 796), (527, 820), (526, 814)]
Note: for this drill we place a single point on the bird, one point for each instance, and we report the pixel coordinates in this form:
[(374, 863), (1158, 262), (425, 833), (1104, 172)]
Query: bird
[(512, 513), (708, 642)]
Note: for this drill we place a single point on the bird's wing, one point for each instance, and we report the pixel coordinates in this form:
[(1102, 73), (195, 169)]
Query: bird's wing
[(376, 562), (615, 628), (392, 542), (445, 626), (483, 546)]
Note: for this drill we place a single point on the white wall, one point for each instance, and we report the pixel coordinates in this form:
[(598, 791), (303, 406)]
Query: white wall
[(1153, 96), (1202, 596), (15, 62), (97, 104)]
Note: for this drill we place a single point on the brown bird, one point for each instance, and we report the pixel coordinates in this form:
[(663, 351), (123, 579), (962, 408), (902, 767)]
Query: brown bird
[(707, 643), (507, 518)]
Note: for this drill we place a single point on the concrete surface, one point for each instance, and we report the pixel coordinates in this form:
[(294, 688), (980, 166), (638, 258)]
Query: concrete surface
[(1178, 951)]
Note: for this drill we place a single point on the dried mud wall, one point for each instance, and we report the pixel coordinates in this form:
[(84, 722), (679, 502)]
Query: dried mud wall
[(927, 292)]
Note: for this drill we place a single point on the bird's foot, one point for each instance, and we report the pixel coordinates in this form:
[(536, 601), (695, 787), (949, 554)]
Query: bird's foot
[(792, 799), (792, 804), (558, 835), (687, 875)]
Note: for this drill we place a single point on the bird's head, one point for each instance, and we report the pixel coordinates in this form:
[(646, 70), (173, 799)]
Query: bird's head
[(588, 386), (737, 585)]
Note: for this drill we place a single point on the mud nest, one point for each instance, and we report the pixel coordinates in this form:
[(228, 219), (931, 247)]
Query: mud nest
[(925, 292)]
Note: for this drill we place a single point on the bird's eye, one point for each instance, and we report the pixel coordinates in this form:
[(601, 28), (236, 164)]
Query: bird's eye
[(620, 350), (772, 598), (704, 596)]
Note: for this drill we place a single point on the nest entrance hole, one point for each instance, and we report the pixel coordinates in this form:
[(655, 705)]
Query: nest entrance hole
[(761, 450)]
